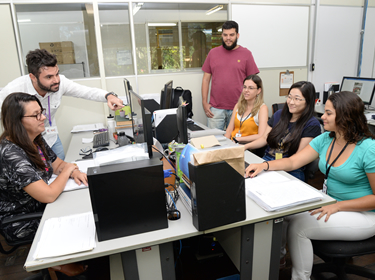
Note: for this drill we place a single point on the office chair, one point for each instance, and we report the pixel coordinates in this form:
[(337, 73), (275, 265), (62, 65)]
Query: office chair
[(18, 218), (335, 255), (277, 106), (310, 170)]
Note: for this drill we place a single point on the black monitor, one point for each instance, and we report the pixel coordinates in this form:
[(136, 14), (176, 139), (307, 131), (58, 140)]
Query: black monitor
[(166, 96), (363, 87), (182, 125), (151, 105), (141, 119), (127, 87)]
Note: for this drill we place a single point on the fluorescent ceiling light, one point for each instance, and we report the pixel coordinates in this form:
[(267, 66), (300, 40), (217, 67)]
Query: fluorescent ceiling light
[(162, 24), (136, 7), (24, 20), (214, 9)]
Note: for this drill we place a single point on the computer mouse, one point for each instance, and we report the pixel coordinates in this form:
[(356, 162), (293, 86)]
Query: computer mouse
[(100, 149)]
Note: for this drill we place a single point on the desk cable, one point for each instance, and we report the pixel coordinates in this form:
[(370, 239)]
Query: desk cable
[(172, 212), (174, 167)]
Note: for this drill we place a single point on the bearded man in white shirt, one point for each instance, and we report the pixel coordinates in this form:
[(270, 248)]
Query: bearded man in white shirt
[(45, 82)]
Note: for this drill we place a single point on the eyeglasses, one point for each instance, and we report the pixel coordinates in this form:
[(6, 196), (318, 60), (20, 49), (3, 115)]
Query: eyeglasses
[(249, 88), (37, 116), (295, 99)]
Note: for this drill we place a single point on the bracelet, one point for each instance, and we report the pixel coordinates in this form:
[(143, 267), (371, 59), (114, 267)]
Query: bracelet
[(268, 166), (70, 176)]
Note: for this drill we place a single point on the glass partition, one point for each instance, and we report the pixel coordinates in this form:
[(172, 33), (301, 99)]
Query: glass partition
[(171, 37), (116, 39), (66, 30)]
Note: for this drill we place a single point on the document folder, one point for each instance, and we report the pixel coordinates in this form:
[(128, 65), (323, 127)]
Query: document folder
[(165, 125)]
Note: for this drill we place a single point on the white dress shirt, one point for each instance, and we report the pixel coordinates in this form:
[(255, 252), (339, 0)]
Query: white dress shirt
[(67, 87)]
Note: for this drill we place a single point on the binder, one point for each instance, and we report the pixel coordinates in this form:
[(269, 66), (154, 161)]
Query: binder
[(165, 125)]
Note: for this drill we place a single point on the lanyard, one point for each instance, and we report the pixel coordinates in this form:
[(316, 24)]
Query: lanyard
[(329, 156), (49, 113), (241, 122)]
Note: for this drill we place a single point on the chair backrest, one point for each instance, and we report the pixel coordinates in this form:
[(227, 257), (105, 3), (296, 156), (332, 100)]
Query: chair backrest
[(276, 107), (16, 243)]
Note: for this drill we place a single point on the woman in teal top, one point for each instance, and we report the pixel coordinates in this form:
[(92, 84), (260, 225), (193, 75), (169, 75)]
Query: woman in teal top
[(347, 158), (347, 181)]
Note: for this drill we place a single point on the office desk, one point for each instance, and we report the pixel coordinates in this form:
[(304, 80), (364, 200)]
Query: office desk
[(252, 244)]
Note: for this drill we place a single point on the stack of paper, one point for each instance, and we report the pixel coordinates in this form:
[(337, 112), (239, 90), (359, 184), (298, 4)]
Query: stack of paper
[(184, 193), (71, 184), (273, 191), (87, 127), (66, 235)]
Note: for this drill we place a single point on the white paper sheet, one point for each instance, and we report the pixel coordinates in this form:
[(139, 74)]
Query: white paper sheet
[(66, 235), (274, 195), (71, 184), (87, 127)]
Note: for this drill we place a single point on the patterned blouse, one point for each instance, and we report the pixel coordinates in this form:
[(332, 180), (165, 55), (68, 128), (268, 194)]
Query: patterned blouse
[(16, 172)]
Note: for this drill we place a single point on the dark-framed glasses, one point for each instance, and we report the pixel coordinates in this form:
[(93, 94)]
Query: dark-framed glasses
[(37, 116)]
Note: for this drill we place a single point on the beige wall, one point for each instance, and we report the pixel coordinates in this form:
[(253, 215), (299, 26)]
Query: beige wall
[(75, 111)]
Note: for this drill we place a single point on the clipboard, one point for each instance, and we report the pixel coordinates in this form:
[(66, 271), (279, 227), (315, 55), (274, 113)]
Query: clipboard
[(286, 81)]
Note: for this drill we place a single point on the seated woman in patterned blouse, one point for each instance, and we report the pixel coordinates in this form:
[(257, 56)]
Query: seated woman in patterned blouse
[(26, 165)]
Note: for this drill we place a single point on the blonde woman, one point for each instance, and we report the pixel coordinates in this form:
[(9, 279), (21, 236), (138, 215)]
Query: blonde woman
[(250, 115)]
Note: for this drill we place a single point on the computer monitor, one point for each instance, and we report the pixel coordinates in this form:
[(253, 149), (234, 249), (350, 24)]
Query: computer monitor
[(363, 87), (166, 96), (182, 125), (127, 87), (141, 117)]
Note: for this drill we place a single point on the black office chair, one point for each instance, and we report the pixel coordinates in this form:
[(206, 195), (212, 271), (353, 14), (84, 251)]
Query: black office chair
[(276, 107), (18, 218), (310, 170), (335, 255), (259, 152)]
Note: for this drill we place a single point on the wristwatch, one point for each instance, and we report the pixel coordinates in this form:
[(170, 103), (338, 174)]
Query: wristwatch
[(110, 93)]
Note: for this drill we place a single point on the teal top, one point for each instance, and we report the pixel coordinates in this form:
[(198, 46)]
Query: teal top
[(349, 180)]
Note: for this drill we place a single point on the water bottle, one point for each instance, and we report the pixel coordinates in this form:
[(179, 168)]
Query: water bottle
[(122, 139)]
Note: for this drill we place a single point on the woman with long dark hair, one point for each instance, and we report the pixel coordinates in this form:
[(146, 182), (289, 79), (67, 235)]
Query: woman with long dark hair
[(26, 165), (249, 118), (292, 128), (346, 155)]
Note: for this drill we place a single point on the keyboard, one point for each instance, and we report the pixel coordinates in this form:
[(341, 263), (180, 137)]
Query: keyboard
[(193, 127), (101, 139)]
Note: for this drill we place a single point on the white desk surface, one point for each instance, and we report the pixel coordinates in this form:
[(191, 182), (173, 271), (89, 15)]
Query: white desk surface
[(78, 201)]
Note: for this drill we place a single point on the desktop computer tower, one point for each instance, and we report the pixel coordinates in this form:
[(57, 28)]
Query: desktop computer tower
[(217, 195), (128, 198)]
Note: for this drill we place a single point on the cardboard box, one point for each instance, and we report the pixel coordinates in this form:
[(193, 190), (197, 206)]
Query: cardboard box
[(59, 58), (68, 58), (52, 47), (67, 46)]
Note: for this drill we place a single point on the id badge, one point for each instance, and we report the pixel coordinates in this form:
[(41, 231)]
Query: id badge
[(278, 155), (324, 190), (238, 135), (51, 130)]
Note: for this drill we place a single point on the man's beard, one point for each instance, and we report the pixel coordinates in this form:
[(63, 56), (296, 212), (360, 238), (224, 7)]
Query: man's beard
[(48, 89), (231, 47)]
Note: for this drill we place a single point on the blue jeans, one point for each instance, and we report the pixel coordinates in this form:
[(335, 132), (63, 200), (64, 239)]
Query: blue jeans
[(298, 173), (221, 118), (58, 148)]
